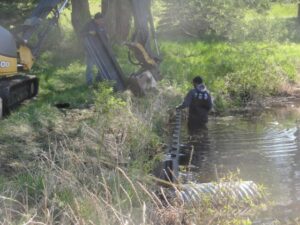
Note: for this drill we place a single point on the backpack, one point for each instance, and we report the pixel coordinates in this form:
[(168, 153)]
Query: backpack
[(201, 100)]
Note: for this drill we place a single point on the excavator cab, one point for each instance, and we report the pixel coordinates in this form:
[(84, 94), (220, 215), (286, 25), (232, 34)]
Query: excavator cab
[(17, 57), (8, 53), (14, 86)]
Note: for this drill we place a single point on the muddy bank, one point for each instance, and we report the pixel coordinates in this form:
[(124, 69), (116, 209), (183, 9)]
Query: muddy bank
[(289, 97)]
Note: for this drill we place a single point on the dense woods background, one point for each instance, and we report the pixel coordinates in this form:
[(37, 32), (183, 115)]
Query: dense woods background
[(193, 17)]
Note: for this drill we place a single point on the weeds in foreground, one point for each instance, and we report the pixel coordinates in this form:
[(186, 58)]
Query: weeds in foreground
[(69, 187), (99, 175)]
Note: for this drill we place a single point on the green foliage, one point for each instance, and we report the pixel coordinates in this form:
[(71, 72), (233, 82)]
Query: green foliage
[(106, 101), (232, 20), (3, 181), (260, 29), (13, 12), (122, 57), (130, 129), (278, 24), (213, 18), (31, 185), (233, 72), (78, 147), (64, 197), (283, 10)]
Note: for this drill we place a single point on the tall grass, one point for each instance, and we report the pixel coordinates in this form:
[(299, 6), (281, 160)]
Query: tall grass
[(235, 73), (69, 184), (91, 165), (68, 187), (88, 164)]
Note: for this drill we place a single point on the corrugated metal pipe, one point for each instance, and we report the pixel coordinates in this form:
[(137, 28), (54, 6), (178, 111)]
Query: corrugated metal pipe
[(243, 192)]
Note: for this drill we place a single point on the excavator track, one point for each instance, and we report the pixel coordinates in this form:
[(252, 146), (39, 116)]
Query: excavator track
[(14, 90)]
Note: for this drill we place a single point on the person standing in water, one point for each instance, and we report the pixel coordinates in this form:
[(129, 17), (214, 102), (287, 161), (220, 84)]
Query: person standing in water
[(199, 102)]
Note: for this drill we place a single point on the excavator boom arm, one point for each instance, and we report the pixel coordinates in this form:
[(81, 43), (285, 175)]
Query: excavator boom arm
[(42, 20)]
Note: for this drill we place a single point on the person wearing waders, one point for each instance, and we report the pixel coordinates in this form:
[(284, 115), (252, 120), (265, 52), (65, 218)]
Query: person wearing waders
[(199, 102), (91, 28)]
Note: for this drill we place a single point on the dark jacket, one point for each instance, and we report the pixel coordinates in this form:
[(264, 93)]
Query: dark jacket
[(91, 28), (199, 102)]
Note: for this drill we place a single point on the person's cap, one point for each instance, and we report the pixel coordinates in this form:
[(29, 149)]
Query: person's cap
[(98, 16), (197, 80)]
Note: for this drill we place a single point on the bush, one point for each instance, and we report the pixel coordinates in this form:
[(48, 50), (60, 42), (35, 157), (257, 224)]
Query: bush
[(214, 18)]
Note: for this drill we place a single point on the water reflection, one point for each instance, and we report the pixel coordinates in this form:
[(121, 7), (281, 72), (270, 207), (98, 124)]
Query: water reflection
[(265, 149)]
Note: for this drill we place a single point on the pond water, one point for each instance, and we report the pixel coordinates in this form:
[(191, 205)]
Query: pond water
[(264, 148)]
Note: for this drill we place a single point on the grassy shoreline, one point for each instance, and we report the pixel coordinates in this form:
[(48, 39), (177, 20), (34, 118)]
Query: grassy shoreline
[(65, 161), (61, 160), (88, 164)]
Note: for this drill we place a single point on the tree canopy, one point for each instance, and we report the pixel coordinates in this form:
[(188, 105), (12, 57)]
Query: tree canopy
[(198, 17), (194, 17)]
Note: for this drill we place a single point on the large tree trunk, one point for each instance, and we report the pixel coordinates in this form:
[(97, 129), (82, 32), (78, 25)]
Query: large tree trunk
[(118, 17), (298, 16), (80, 14)]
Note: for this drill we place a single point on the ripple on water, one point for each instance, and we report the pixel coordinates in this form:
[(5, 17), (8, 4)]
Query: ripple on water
[(263, 151)]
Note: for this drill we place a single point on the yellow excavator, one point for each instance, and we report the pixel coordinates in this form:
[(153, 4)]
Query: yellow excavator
[(15, 84), (18, 53)]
